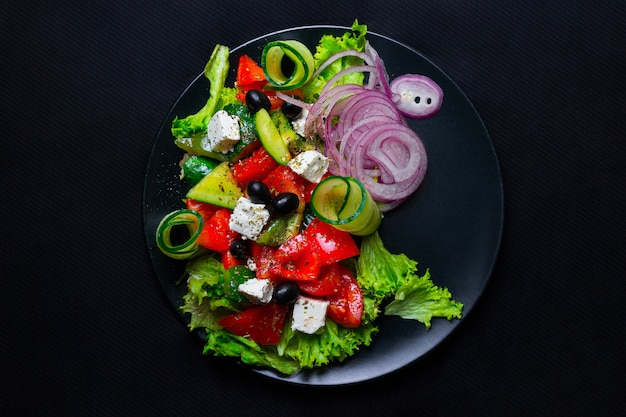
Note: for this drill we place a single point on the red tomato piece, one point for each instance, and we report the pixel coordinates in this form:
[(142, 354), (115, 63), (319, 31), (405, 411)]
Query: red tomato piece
[(261, 323), (282, 179), (346, 307), (206, 210), (249, 73), (229, 260), (328, 283), (297, 259), (216, 235), (335, 245), (264, 257), (255, 167)]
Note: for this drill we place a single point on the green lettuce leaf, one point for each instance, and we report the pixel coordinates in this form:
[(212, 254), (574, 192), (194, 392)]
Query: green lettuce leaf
[(328, 46), (333, 344), (419, 299), (379, 272)]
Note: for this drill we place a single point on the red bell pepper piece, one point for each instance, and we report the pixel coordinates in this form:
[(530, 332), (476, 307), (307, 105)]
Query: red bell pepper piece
[(328, 283), (216, 235), (346, 306), (255, 167), (249, 73), (264, 257), (261, 323), (282, 179), (335, 245), (297, 259)]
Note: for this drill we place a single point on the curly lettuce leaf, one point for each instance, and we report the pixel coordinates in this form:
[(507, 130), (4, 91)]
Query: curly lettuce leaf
[(383, 274), (419, 299), (330, 45), (379, 272), (333, 344)]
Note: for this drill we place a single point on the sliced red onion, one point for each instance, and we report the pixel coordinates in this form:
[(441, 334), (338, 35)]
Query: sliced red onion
[(416, 96)]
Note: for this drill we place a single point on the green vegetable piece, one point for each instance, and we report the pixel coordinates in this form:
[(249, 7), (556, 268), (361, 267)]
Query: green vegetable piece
[(197, 167), (419, 299), (270, 137), (216, 71), (280, 229), (328, 46), (234, 276), (295, 143), (219, 188)]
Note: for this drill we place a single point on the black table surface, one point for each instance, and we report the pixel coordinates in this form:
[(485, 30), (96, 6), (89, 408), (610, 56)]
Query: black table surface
[(87, 330)]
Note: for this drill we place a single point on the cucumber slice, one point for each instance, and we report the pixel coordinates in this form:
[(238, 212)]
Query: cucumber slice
[(344, 203), (271, 138), (218, 187), (301, 57)]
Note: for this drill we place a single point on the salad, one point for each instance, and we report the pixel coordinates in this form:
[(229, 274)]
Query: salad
[(290, 172)]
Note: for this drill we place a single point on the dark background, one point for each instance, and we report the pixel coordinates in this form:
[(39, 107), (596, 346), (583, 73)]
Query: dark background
[(85, 327)]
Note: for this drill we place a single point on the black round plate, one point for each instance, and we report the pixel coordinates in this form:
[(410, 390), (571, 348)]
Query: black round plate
[(452, 225)]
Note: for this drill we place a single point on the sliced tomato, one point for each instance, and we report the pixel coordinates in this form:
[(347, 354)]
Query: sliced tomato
[(282, 179), (255, 167), (216, 235), (228, 260), (328, 282), (264, 257), (206, 210), (297, 259), (249, 73), (261, 323), (335, 245), (346, 307)]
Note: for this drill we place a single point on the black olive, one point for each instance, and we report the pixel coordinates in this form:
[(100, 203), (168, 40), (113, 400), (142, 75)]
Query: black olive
[(240, 249), (285, 203), (257, 100), (286, 292), (258, 192), (291, 110)]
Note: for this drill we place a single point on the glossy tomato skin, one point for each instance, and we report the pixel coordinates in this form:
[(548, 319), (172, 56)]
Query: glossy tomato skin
[(283, 180), (216, 234), (297, 259), (206, 210), (261, 323), (335, 245), (250, 76), (249, 73), (346, 307), (255, 167), (264, 258), (328, 282)]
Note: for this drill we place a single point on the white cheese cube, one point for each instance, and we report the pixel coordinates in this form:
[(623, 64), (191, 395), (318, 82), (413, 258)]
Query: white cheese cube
[(248, 218), (311, 165), (258, 291), (222, 132), (298, 123), (309, 314)]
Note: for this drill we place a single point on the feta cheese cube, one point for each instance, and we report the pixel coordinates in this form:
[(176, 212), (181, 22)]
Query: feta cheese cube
[(222, 132), (311, 165), (309, 314), (258, 291), (298, 123), (248, 218)]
